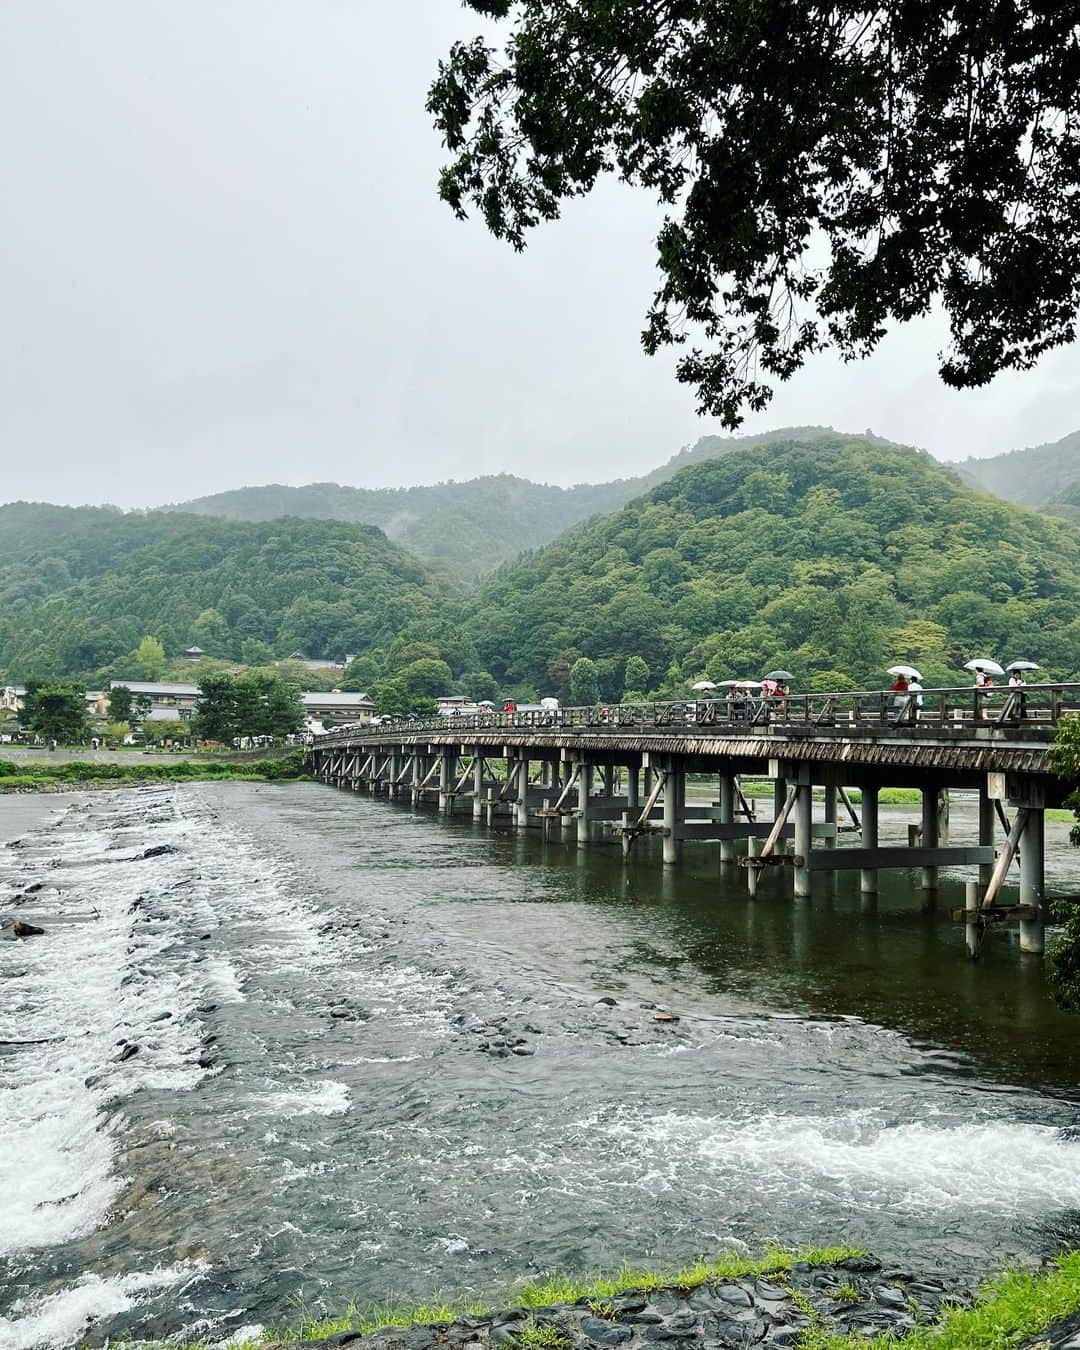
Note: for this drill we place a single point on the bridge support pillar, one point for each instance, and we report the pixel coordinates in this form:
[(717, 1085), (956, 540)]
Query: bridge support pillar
[(1033, 880), (987, 829), (831, 801), (727, 815), (477, 786), (521, 804), (584, 797), (804, 826), (973, 894), (931, 829), (674, 811), (446, 781), (868, 876), (633, 797)]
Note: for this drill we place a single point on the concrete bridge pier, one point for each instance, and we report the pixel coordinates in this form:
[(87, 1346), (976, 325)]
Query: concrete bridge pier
[(804, 833), (521, 802), (987, 830), (728, 847), (674, 812), (584, 801), (1033, 869), (477, 786), (868, 877), (633, 791), (447, 761), (931, 833)]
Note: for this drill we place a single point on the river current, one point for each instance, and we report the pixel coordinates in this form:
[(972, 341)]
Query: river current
[(371, 1061)]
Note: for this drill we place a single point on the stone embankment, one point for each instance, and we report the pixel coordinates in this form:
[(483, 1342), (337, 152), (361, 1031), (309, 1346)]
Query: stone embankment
[(857, 1296)]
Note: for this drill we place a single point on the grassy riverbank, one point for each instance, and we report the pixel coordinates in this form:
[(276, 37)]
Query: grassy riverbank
[(555, 1289), (1009, 1310), (33, 776)]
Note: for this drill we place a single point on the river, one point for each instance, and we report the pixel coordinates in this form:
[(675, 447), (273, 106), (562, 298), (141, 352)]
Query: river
[(372, 1063)]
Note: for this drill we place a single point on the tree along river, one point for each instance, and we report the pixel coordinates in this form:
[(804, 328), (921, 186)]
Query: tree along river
[(322, 1109)]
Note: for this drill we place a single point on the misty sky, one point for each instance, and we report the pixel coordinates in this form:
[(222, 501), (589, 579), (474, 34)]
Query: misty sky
[(222, 261)]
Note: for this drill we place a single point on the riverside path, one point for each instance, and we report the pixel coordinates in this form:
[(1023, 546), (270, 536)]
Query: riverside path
[(619, 774)]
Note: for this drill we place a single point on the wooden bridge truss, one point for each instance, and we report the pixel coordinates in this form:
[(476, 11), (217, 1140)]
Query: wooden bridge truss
[(620, 774)]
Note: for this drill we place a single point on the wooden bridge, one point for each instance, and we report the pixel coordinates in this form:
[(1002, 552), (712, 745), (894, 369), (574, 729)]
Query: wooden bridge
[(620, 774)]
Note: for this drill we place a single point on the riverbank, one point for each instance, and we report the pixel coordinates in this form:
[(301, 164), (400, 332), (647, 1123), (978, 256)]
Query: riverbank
[(813, 1299), (76, 774)]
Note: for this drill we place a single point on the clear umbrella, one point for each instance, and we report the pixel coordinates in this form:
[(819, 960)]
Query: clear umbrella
[(984, 664), (1023, 665), (908, 672), (703, 685)]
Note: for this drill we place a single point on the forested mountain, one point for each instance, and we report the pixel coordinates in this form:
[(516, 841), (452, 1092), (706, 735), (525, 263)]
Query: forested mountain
[(831, 555), (470, 528), (80, 587), (1033, 477), (1066, 504), (833, 561)]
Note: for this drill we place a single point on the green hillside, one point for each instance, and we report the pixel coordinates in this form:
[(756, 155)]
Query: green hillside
[(469, 528), (79, 587), (833, 560), (1066, 504), (1031, 477)]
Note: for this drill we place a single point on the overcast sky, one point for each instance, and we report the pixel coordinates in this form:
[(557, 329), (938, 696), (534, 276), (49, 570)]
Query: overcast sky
[(222, 261)]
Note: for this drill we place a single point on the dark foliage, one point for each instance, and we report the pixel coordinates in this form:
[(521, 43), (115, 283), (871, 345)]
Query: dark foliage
[(56, 710), (827, 168)]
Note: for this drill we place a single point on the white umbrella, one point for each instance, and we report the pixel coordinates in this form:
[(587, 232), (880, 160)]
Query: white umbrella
[(908, 672), (1023, 665), (703, 684), (739, 684), (984, 664)]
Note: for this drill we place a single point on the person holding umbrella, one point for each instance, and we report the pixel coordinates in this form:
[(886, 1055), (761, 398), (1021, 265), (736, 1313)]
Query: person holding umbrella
[(1017, 681), (903, 675), (985, 669)]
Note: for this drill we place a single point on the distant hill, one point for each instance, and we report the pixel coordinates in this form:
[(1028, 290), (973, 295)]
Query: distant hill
[(832, 559), (1066, 504), (469, 528), (1032, 477), (80, 586)]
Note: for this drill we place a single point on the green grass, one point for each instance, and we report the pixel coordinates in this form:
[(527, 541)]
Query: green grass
[(534, 1337), (1010, 1308), (555, 1288), (77, 773)]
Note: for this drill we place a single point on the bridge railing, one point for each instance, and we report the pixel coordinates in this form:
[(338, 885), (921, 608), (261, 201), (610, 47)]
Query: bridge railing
[(1035, 709)]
